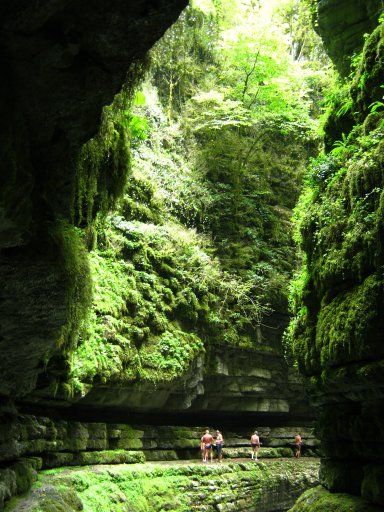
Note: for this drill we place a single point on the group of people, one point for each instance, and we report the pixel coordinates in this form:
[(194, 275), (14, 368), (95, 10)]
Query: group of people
[(208, 442)]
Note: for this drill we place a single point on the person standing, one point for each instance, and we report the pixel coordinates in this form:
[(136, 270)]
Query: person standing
[(202, 450), (298, 444), (219, 441), (255, 443), (207, 441)]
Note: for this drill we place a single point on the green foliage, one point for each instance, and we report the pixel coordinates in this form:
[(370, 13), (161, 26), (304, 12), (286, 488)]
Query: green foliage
[(211, 111), (104, 162), (201, 246), (376, 105), (138, 126), (102, 167), (183, 57), (339, 228), (150, 315), (297, 17)]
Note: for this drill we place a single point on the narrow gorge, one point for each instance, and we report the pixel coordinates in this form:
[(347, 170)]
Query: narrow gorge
[(191, 211)]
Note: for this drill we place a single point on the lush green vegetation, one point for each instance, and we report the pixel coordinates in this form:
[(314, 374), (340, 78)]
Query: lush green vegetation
[(338, 296), (199, 249), (155, 488)]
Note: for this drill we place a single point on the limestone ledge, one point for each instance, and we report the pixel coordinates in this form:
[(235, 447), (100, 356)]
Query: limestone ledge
[(25, 436), (239, 487), (29, 444)]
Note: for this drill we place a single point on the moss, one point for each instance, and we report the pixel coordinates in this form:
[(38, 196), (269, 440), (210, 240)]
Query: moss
[(74, 263), (345, 324), (180, 488), (336, 476), (110, 457), (156, 455), (318, 500), (58, 459), (86, 458), (368, 81), (150, 315), (25, 475), (341, 230), (104, 162), (8, 485)]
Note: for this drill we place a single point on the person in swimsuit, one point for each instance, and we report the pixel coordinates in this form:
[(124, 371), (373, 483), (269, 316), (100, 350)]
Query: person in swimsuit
[(219, 445), (255, 443), (298, 444), (207, 441)]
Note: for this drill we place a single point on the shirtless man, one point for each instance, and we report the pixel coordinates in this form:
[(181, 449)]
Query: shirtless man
[(298, 443), (207, 442), (255, 443), (219, 445)]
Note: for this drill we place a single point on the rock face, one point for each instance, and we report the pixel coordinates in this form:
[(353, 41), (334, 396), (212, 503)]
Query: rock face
[(232, 385), (242, 487), (60, 442), (339, 337), (342, 25), (63, 61)]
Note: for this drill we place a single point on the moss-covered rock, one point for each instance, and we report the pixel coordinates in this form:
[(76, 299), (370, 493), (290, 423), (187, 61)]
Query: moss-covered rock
[(319, 499), (223, 487), (337, 335), (53, 107)]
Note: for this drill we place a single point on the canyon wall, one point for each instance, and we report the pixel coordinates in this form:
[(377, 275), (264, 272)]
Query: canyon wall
[(338, 334), (62, 63)]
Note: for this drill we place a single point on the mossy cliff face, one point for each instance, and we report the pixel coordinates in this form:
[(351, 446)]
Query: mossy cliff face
[(226, 487), (62, 62), (342, 24), (339, 324)]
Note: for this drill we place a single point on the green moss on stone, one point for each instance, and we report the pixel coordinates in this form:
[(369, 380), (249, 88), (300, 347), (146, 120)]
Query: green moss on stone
[(151, 488), (85, 458), (74, 263), (345, 324), (319, 500), (25, 475)]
